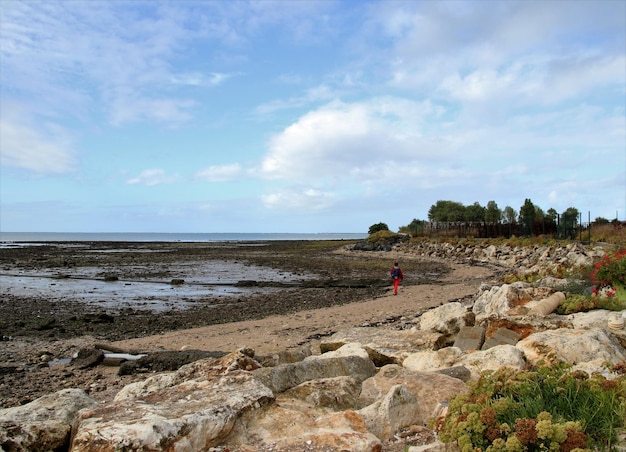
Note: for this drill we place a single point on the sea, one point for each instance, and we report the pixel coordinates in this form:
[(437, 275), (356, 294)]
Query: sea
[(16, 237)]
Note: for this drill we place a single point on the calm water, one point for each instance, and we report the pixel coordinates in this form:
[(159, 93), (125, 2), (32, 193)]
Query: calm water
[(167, 237)]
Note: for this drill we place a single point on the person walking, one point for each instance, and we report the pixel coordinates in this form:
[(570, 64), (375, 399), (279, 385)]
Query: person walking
[(396, 276)]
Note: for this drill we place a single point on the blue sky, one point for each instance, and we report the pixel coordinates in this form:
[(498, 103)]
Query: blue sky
[(305, 116)]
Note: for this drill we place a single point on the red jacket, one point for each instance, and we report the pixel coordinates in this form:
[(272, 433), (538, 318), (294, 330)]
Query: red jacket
[(400, 275)]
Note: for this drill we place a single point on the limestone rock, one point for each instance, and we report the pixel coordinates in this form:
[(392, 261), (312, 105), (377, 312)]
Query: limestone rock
[(284, 356), (429, 388), (494, 358), (447, 319), (431, 360), (397, 409), (499, 300), (338, 393), (287, 426), (349, 349), (43, 424), (285, 376), (191, 416), (201, 368), (384, 346), (593, 319), (476, 362), (572, 346), (189, 410)]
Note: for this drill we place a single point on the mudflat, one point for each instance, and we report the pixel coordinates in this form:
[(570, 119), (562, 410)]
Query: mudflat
[(57, 298)]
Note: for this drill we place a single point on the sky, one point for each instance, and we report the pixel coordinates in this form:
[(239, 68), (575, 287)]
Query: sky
[(306, 116)]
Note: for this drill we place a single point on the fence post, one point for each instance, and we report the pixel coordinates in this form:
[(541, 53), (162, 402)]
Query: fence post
[(580, 226)]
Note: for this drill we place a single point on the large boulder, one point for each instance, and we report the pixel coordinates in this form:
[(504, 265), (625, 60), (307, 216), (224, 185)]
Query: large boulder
[(297, 427), (429, 388), (572, 346), (191, 410), (398, 408), (598, 318), (203, 368), (43, 424), (433, 360), (382, 345), (500, 300), (286, 376), (337, 393), (477, 362), (447, 319), (493, 358)]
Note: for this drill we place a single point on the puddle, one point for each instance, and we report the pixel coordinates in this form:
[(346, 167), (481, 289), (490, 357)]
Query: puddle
[(58, 362), (201, 281)]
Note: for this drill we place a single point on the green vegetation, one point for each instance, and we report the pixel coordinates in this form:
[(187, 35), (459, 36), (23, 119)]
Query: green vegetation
[(548, 408), (608, 279), (529, 214), (377, 227), (453, 219), (610, 271)]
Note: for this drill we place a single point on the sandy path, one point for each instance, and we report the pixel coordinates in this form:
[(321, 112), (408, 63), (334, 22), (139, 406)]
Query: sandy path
[(276, 333)]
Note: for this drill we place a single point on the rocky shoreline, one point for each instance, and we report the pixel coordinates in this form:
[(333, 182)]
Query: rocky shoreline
[(400, 359)]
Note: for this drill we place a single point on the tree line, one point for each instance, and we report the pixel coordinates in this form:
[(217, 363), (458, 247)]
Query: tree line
[(454, 218)]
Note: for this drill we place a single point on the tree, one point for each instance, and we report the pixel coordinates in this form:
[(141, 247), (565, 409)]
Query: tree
[(492, 214), (475, 212), (569, 221), (570, 217), (551, 215), (446, 211), (377, 227), (509, 215), (527, 217), (414, 227)]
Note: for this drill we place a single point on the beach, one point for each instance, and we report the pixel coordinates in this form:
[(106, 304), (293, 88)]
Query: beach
[(301, 291)]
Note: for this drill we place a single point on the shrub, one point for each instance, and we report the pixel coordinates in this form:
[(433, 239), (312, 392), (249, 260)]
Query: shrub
[(582, 303), (608, 233), (377, 227), (610, 272), (550, 408)]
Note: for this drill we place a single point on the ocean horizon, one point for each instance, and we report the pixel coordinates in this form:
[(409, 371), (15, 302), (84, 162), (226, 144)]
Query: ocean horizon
[(17, 237)]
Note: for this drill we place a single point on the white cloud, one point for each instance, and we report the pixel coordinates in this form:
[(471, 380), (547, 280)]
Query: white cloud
[(106, 52), (501, 52), (309, 199), (336, 139), (220, 173), (24, 147), (151, 177)]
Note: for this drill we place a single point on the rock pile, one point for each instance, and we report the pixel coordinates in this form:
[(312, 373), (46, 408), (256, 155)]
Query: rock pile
[(521, 260), (366, 389)]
